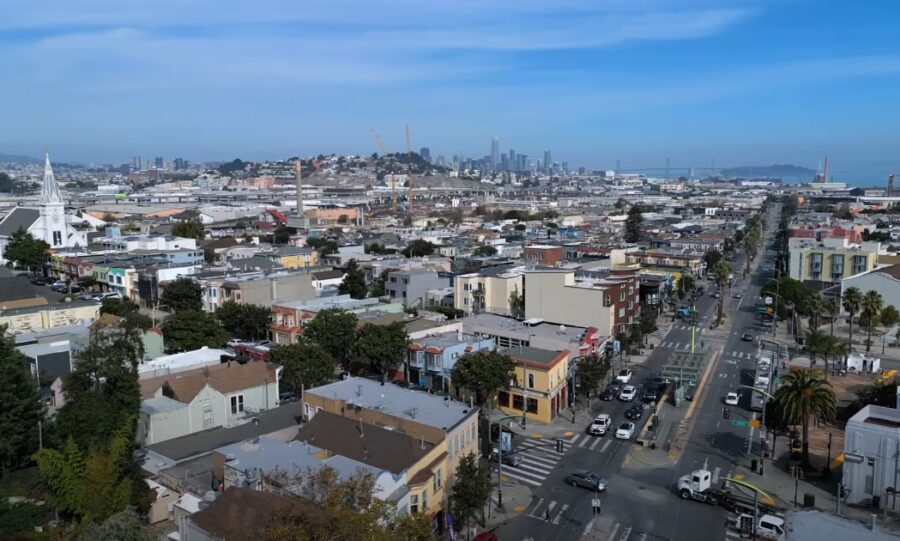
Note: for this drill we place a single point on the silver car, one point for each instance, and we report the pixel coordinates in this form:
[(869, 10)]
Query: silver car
[(586, 479)]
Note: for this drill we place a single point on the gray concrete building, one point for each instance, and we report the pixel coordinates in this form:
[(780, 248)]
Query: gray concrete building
[(411, 286)]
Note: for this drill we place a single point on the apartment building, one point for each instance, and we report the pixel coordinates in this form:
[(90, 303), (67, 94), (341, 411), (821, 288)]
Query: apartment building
[(489, 290), (410, 286), (555, 296), (544, 255), (259, 288), (830, 261), (431, 358), (664, 260), (541, 389)]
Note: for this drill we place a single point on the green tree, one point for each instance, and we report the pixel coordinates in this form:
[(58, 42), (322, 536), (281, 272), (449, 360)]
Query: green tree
[(335, 330), (306, 364), (125, 525), (182, 294), (323, 245), (6, 183), (484, 373), (853, 299), (26, 251), (282, 235), (890, 316), (419, 248), (633, 224), (813, 307), (87, 282), (377, 288), (589, 373), (209, 255), (832, 307), (384, 346), (870, 317), (484, 251), (354, 283), (102, 392), (22, 407), (471, 491), (804, 394), (721, 272), (128, 310), (188, 330), (711, 257), (189, 229), (686, 284), (517, 304), (245, 321), (647, 318), (817, 344), (92, 486)]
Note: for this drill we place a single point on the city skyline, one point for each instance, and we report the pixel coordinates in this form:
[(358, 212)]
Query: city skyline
[(735, 82)]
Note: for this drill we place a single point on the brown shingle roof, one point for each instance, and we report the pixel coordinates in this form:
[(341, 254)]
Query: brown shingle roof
[(233, 378), (428, 471), (378, 447), (239, 514)]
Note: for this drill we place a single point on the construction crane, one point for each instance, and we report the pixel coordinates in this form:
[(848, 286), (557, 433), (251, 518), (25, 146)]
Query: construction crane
[(409, 177), (380, 144)]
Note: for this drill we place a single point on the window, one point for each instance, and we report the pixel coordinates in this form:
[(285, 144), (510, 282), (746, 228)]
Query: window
[(531, 381), (502, 399), (237, 404), (518, 402), (57, 238), (473, 430), (621, 296), (425, 500), (414, 503), (436, 481), (532, 405), (621, 312), (215, 293)]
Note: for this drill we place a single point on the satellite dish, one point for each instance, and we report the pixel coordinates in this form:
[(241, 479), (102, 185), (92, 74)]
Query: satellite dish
[(562, 328)]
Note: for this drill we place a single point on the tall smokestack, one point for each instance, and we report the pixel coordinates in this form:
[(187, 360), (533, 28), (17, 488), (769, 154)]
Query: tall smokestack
[(300, 207)]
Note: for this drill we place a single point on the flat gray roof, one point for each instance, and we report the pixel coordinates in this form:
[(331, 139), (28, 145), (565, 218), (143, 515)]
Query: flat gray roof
[(160, 404), (397, 401)]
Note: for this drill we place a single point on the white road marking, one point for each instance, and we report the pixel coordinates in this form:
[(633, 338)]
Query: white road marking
[(560, 514), (605, 446), (615, 531), (594, 444)]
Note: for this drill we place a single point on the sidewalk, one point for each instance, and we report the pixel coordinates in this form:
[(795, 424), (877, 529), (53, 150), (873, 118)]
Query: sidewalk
[(516, 498)]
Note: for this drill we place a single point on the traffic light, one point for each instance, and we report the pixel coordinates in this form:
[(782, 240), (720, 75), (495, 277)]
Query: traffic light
[(726, 413), (559, 446)]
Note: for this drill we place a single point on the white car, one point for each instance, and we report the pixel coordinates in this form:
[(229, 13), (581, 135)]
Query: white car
[(600, 425), (732, 399), (628, 393), (625, 431), (624, 376)]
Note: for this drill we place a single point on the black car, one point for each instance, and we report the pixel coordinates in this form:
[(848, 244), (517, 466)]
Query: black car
[(634, 413), (689, 392), (38, 280), (610, 393), (747, 337), (652, 393)]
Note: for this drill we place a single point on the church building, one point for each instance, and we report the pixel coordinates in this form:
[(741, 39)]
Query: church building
[(48, 221)]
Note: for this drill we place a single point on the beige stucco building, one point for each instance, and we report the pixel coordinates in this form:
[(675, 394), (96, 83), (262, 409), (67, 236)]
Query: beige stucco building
[(555, 296), (489, 290)]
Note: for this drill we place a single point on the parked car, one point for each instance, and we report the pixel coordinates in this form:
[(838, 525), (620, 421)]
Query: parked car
[(586, 479), (625, 431), (747, 337), (624, 375), (628, 393), (689, 392), (732, 399), (652, 393), (635, 412), (599, 425), (737, 295), (109, 295), (38, 280), (608, 394), (715, 294)]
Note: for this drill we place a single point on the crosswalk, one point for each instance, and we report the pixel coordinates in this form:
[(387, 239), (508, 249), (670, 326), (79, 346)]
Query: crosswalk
[(740, 355), (547, 510), (539, 456), (682, 346)]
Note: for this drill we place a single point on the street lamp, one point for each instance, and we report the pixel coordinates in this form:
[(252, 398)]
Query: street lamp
[(762, 428), (499, 455)]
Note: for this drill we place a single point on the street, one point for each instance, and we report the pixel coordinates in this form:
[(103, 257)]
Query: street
[(640, 502)]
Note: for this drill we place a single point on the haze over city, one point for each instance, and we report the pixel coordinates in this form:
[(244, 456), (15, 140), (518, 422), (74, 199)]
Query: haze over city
[(737, 82)]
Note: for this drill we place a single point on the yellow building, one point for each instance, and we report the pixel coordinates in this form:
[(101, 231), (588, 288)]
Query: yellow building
[(489, 290), (541, 387), (831, 261), (293, 257)]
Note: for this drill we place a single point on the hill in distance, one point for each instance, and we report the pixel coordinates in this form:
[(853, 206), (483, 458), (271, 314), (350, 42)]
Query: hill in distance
[(15, 158), (769, 171)]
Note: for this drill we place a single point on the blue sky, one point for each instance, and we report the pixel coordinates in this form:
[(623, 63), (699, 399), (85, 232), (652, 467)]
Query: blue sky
[(735, 81)]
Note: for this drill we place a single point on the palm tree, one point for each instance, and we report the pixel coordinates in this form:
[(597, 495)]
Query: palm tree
[(804, 394), (872, 304), (815, 345), (832, 308), (852, 303), (721, 271), (836, 349), (814, 306)]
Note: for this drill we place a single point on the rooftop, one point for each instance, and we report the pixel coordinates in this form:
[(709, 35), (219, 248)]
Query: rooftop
[(239, 514), (392, 400), (178, 362), (878, 415), (532, 355)]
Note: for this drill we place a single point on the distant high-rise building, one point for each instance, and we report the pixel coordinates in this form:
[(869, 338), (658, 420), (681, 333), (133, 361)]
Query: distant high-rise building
[(180, 163), (425, 152), (521, 162), (565, 167), (159, 162), (581, 170), (494, 159), (548, 162), (511, 162), (529, 165), (136, 163)]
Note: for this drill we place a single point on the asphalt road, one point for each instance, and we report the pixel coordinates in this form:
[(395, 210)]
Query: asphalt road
[(640, 499)]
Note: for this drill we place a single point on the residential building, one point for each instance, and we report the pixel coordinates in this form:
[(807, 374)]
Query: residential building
[(667, 261), (555, 296), (830, 261), (489, 290), (288, 317), (419, 415), (871, 457), (294, 257), (326, 279), (884, 280), (259, 288), (167, 365), (432, 358), (47, 316), (410, 286), (507, 332), (186, 404), (543, 255), (541, 388), (238, 514)]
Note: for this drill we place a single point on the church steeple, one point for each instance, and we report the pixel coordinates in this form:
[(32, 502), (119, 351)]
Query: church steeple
[(49, 190)]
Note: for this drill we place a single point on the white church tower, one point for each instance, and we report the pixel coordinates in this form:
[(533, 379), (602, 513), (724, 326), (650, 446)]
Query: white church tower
[(52, 209)]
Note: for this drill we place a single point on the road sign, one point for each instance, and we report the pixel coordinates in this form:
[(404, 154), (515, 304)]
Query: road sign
[(740, 422)]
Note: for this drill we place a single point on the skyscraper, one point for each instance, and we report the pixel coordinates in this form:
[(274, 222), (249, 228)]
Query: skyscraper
[(512, 160), (495, 154), (159, 162), (548, 162), (425, 152)]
